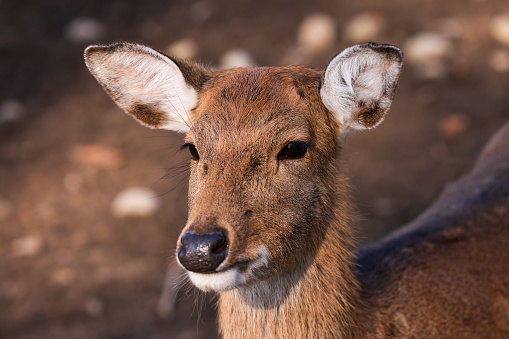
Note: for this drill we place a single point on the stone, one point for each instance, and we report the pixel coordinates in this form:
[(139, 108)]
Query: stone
[(426, 47), (317, 33), (27, 246), (184, 49), (98, 155), (499, 28), (432, 70), (135, 202), (73, 182), (428, 53), (84, 30), (63, 276), (451, 27), (94, 306), (499, 61), (453, 125), (237, 57), (11, 110), (365, 27)]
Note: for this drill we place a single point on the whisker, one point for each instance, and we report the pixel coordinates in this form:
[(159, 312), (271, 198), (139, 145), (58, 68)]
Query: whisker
[(174, 172), (182, 104), (173, 107), (180, 183)]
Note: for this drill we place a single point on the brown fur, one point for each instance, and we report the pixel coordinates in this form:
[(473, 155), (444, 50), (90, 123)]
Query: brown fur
[(435, 288), (443, 276), (289, 212), (194, 74)]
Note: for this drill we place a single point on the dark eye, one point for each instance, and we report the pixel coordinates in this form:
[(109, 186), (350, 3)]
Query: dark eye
[(193, 151), (293, 150)]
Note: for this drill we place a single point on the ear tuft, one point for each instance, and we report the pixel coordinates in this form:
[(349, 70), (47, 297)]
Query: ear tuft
[(148, 115), (156, 90), (359, 84), (370, 116)]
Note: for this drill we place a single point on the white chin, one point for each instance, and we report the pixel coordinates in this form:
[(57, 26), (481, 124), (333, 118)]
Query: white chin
[(217, 282), (230, 278)]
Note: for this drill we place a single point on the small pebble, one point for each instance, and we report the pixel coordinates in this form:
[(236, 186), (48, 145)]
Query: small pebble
[(97, 155), (237, 58), (499, 28), (317, 33), (11, 110), (432, 70), (73, 182), (427, 52), (365, 27), (27, 246), (63, 276), (426, 47), (94, 306), (451, 27), (183, 49), (135, 202), (453, 125), (45, 209), (499, 61), (81, 30)]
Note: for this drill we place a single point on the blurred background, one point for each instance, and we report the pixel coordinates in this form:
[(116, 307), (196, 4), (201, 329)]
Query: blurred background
[(91, 203)]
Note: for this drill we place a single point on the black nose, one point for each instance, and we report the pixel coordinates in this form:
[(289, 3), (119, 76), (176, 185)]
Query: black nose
[(202, 253)]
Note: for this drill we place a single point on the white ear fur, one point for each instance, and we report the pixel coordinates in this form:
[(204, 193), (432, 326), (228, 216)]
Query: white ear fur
[(359, 84), (145, 83)]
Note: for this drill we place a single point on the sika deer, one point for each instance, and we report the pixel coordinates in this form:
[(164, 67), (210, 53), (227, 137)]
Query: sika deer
[(269, 224)]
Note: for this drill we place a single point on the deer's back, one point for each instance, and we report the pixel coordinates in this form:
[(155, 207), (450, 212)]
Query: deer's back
[(446, 275)]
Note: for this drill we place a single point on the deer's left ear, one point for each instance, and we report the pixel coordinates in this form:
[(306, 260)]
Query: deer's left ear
[(359, 84)]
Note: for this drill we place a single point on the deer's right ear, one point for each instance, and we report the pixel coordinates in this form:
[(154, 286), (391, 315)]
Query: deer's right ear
[(359, 84), (157, 91)]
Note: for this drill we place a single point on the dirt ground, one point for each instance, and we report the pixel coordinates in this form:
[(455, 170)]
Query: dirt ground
[(70, 269)]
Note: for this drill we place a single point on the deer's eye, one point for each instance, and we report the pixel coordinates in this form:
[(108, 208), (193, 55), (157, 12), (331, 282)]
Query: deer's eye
[(192, 149), (293, 150)]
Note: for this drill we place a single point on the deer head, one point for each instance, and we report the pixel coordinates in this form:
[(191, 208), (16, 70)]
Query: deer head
[(263, 142)]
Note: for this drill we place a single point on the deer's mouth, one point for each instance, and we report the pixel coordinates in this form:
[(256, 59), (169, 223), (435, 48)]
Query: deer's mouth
[(234, 276)]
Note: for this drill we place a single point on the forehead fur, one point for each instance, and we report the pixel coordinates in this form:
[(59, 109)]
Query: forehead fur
[(241, 97)]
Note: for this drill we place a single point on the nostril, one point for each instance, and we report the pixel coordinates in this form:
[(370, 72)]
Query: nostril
[(202, 252), (220, 247)]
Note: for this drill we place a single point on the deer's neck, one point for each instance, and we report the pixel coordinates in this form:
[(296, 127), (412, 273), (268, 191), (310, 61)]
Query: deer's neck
[(320, 301)]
